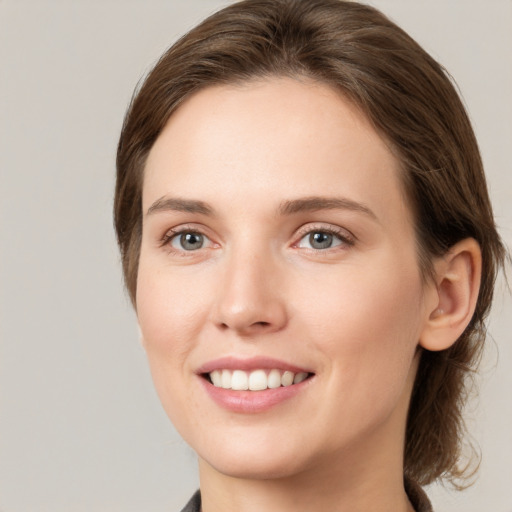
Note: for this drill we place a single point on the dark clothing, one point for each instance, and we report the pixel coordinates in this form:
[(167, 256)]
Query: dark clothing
[(417, 497), (419, 500), (194, 505)]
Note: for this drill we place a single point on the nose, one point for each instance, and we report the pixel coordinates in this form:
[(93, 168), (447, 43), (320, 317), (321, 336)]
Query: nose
[(250, 300)]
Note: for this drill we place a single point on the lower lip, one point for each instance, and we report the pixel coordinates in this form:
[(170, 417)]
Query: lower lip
[(250, 402)]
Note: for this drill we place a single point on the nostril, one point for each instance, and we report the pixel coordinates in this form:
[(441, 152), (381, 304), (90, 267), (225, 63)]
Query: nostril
[(247, 329)]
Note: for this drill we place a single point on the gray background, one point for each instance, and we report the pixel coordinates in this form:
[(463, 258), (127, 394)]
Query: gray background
[(81, 428)]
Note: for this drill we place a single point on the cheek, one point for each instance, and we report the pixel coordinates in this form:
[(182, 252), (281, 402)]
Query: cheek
[(368, 327), (362, 307), (169, 311)]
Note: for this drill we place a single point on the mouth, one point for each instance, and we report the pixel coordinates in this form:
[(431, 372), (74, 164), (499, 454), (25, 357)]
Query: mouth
[(253, 385), (255, 380)]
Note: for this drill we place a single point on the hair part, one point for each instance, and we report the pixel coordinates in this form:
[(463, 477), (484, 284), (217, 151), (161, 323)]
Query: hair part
[(411, 102)]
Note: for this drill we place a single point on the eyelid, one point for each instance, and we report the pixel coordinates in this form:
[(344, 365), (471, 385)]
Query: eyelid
[(172, 233), (343, 234)]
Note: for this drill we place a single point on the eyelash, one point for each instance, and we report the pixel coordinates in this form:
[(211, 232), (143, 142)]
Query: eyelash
[(174, 233), (346, 238)]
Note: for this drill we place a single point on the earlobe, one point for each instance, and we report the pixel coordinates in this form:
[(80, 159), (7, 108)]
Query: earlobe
[(456, 287)]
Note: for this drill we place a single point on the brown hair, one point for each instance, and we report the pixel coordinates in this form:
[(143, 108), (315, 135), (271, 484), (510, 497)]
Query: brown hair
[(411, 102)]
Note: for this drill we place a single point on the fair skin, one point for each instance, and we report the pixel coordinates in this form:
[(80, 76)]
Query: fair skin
[(276, 236)]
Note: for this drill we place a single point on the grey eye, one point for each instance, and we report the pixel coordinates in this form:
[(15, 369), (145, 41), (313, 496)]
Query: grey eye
[(320, 240), (188, 241)]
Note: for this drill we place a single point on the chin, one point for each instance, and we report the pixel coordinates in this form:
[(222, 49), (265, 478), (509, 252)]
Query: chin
[(255, 460), (261, 468)]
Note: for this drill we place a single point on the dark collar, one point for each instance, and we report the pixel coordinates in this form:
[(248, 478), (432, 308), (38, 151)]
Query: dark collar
[(416, 494), (194, 505), (419, 500)]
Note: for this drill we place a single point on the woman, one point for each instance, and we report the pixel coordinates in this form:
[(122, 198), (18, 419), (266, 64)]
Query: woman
[(309, 245)]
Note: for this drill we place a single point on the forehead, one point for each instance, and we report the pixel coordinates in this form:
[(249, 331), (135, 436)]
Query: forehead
[(268, 138)]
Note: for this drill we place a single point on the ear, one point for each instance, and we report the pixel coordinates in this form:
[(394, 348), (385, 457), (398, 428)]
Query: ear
[(452, 295)]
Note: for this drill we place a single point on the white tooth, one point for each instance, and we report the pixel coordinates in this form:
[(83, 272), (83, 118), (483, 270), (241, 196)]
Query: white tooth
[(226, 379), (300, 377), (216, 378), (239, 380), (274, 379), (287, 378), (257, 380)]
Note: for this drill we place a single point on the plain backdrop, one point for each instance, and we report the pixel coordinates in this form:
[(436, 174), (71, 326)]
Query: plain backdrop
[(81, 428)]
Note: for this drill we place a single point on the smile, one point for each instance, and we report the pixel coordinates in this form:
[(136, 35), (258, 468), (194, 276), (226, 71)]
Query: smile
[(253, 385), (256, 380)]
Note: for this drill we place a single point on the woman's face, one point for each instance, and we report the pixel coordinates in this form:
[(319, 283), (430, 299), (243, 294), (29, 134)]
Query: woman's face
[(277, 243)]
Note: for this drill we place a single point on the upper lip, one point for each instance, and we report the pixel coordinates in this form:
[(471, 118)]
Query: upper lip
[(249, 364)]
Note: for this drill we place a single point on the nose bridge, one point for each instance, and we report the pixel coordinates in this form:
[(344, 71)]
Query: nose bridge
[(249, 298)]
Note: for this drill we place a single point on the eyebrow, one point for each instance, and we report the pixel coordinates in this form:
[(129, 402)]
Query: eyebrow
[(179, 205), (305, 204), (315, 203)]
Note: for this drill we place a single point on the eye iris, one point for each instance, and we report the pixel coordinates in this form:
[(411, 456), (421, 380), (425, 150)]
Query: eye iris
[(320, 240), (191, 241)]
